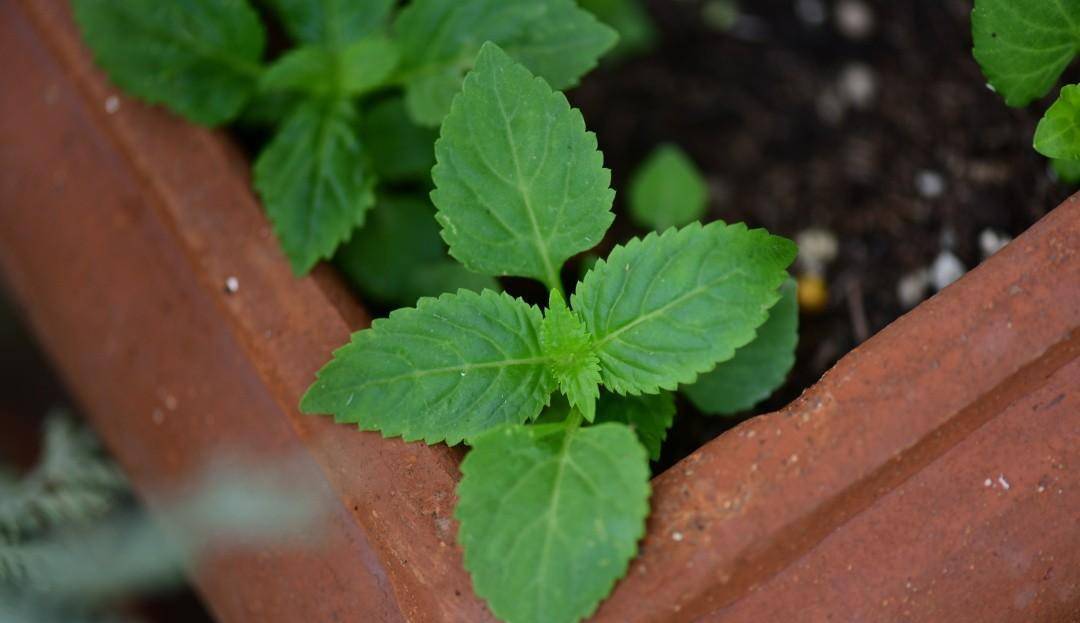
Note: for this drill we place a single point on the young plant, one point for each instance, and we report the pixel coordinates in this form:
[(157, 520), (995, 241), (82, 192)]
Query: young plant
[(1023, 47), (669, 191), (204, 60), (554, 493)]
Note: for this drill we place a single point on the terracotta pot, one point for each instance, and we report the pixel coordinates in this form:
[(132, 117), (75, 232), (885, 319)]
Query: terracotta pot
[(932, 475)]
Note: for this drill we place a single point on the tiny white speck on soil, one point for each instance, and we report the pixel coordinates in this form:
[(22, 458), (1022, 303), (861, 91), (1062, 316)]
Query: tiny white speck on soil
[(678, 536), (112, 104), (988, 483), (232, 285), (1004, 483)]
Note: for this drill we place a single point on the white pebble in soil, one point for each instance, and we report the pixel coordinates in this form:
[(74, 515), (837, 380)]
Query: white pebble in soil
[(112, 104), (991, 241), (817, 249), (232, 285), (912, 287), (854, 19), (857, 85), (946, 269), (930, 184)]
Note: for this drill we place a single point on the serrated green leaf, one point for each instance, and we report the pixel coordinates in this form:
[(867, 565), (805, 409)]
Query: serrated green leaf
[(549, 522), (758, 368), (398, 256), (200, 59), (314, 182), (439, 40), (519, 184), (649, 416), (1024, 45), (573, 362), (321, 71), (334, 23), (1058, 132), (667, 191), (666, 308), (400, 149), (448, 369)]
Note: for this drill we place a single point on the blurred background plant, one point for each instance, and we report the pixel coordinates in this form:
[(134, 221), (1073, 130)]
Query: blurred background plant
[(74, 545)]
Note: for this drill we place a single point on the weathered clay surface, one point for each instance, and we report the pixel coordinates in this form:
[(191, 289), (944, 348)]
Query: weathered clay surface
[(864, 500)]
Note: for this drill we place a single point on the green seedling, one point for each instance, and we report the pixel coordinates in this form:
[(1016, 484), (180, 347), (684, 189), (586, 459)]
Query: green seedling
[(562, 406)]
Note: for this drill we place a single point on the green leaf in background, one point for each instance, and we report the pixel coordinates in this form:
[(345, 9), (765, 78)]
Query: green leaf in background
[(200, 59), (266, 110), (446, 275), (313, 181), (649, 415), (550, 521), (1024, 45), (630, 19), (667, 191), (439, 39), (448, 369), (355, 69), (1058, 132), (520, 185), (573, 362), (666, 308), (1068, 171), (758, 368), (402, 150), (398, 256), (333, 23)]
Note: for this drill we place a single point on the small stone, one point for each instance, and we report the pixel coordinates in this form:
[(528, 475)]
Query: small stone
[(1004, 483), (911, 289), (988, 483), (112, 104), (677, 536), (817, 249), (991, 241), (857, 85), (854, 19), (946, 269), (929, 183), (812, 12), (232, 285)]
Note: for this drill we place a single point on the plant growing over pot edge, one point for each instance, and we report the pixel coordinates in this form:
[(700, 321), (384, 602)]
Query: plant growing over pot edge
[(1023, 47), (357, 65), (554, 493)]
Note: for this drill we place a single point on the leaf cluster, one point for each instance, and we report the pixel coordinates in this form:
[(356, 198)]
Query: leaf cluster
[(353, 102), (562, 406), (1023, 47)]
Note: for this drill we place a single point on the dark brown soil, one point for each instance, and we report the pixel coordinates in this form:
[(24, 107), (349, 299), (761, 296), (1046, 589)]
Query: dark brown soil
[(745, 103)]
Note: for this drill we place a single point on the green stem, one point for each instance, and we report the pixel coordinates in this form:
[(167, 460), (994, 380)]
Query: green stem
[(573, 421)]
